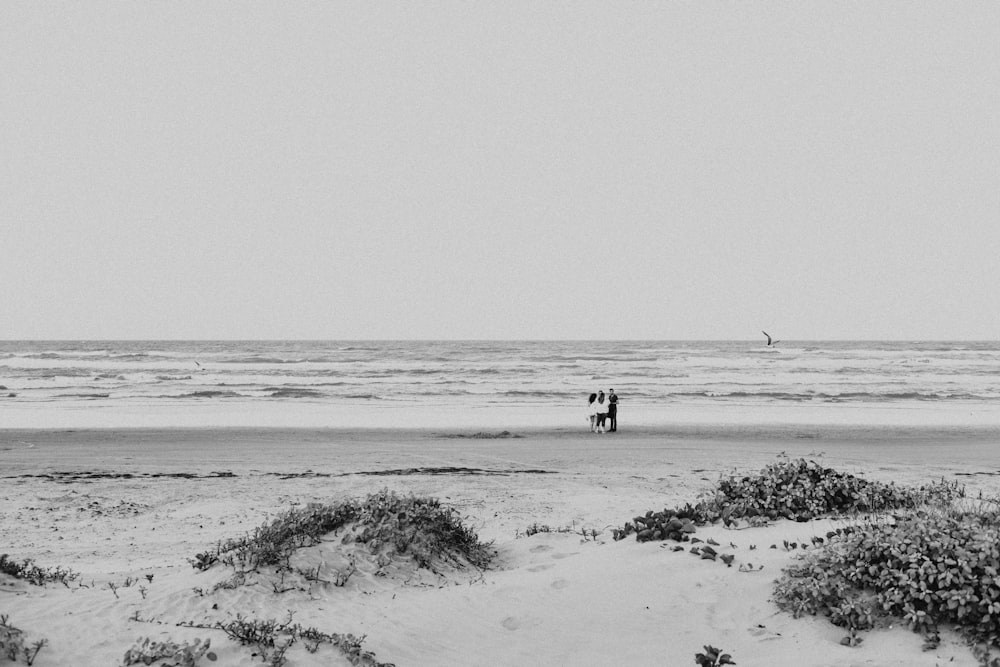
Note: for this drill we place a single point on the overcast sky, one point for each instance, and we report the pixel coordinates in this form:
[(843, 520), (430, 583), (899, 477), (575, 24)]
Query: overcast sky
[(594, 170)]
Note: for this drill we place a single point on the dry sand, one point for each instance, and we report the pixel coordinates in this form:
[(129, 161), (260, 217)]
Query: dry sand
[(120, 504)]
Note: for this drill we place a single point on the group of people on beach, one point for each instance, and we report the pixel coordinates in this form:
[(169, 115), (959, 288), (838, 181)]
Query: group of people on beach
[(602, 412)]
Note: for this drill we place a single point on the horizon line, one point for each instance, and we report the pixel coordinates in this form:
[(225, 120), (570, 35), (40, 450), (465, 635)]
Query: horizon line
[(487, 340)]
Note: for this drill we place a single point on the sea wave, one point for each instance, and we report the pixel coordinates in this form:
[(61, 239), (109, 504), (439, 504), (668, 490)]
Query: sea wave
[(255, 359), (541, 393), (47, 373), (858, 396), (208, 393), (82, 395), (827, 374), (293, 392)]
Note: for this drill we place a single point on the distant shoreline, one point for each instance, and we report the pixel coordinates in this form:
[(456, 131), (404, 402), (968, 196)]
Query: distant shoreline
[(801, 433)]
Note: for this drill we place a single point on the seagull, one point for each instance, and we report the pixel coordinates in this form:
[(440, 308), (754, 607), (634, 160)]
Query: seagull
[(770, 343)]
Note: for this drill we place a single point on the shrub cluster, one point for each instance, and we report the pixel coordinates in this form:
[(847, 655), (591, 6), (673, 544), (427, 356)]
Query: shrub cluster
[(33, 574), (802, 490), (927, 567), (672, 524), (272, 638), (186, 654), (713, 657), (799, 490), (13, 646), (387, 523)]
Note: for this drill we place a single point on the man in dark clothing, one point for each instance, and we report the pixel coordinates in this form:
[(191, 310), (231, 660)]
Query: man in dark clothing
[(612, 410)]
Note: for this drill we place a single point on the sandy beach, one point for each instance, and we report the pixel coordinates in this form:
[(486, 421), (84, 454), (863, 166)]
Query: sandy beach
[(127, 508), (304, 306)]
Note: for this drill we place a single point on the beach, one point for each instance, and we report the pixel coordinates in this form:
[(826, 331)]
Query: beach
[(304, 310), (127, 508)]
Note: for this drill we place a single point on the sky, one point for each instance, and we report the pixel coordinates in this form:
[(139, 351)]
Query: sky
[(500, 170)]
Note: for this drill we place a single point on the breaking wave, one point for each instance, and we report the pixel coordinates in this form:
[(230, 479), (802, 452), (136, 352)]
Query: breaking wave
[(209, 393), (858, 396), (293, 392)]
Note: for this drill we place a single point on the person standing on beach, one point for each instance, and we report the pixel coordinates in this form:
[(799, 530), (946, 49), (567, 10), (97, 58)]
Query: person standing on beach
[(612, 411), (592, 412), (602, 412)]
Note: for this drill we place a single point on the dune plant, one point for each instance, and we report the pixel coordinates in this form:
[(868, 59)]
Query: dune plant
[(587, 534), (13, 646), (27, 570), (798, 490), (387, 523), (272, 639), (927, 567), (146, 651), (713, 657)]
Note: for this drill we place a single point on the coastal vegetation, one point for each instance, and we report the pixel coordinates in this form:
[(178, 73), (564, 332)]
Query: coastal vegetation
[(13, 645), (713, 657), (926, 555), (147, 651), (27, 570), (797, 490), (931, 567), (389, 525)]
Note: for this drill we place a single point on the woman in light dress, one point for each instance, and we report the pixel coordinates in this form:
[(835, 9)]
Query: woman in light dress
[(602, 411)]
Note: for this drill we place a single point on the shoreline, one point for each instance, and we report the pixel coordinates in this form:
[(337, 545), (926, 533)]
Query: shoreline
[(222, 413), (707, 430)]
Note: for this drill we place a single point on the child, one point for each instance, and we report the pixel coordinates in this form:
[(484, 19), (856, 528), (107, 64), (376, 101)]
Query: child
[(592, 412)]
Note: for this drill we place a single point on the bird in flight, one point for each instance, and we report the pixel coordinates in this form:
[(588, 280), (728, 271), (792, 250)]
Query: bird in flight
[(770, 343), (197, 364)]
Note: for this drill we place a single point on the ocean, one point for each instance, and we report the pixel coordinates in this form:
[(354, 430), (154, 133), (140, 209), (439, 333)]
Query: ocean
[(494, 383)]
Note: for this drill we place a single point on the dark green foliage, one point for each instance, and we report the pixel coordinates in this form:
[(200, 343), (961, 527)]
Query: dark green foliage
[(418, 527), (33, 574), (928, 568), (713, 657), (799, 490)]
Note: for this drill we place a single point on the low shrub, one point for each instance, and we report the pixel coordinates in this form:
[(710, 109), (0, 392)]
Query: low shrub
[(798, 490), (13, 646), (802, 490), (536, 528), (420, 528), (186, 654), (39, 576), (926, 567), (272, 639), (713, 657)]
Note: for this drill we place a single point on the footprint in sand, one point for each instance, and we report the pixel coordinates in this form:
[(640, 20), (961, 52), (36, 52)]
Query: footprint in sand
[(540, 548), (511, 623), (565, 555), (541, 568), (763, 634), (560, 584)]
